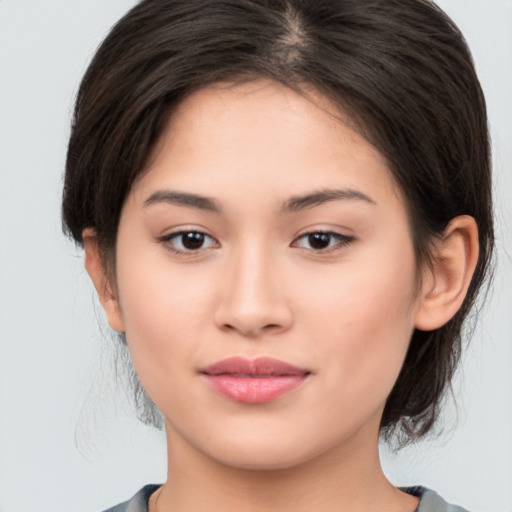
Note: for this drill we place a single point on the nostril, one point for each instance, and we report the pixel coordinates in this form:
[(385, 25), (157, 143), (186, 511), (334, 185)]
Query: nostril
[(251, 331), (228, 327), (253, 317)]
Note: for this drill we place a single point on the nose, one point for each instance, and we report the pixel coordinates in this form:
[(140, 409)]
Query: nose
[(253, 296)]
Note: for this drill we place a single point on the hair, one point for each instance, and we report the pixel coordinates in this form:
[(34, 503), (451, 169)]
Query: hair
[(399, 69)]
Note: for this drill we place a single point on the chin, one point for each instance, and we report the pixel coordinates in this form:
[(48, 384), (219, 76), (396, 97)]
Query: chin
[(272, 452), (261, 460)]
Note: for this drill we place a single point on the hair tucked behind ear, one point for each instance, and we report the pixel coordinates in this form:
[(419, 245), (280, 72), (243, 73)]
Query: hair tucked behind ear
[(400, 70)]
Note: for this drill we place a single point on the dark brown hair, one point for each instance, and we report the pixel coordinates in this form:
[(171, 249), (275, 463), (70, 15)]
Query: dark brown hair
[(400, 70)]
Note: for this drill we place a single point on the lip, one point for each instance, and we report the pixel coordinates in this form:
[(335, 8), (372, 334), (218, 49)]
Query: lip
[(254, 381)]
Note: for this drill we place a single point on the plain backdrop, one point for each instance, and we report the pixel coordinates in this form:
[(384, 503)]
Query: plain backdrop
[(68, 438)]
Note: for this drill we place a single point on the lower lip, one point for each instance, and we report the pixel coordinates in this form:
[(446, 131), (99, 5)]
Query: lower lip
[(254, 390)]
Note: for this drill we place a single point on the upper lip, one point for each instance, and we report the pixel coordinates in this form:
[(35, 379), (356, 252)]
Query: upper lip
[(261, 366)]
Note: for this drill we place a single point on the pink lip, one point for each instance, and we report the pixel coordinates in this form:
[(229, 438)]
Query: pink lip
[(254, 381)]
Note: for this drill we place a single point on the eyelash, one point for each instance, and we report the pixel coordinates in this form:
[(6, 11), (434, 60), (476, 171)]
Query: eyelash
[(167, 241), (342, 241)]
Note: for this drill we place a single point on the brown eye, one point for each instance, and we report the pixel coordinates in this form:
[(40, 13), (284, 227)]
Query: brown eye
[(323, 241), (319, 240), (186, 242), (192, 240)]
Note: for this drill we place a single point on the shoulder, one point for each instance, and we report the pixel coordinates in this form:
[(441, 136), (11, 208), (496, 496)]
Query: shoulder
[(138, 503), (430, 501)]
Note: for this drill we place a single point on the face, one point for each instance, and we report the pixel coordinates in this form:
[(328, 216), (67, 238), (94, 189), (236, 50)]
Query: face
[(266, 278)]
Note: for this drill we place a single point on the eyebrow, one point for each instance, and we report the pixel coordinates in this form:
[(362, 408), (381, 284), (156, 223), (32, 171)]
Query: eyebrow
[(319, 197), (183, 199), (293, 204)]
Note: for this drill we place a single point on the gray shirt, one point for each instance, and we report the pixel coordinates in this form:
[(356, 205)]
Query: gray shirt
[(430, 501)]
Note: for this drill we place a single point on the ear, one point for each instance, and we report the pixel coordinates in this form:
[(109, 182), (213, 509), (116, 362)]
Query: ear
[(446, 282), (104, 287)]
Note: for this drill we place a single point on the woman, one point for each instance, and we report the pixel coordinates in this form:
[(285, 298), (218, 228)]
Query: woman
[(286, 212)]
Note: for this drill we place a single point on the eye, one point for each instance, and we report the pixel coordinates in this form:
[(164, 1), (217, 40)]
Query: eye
[(187, 242), (323, 241)]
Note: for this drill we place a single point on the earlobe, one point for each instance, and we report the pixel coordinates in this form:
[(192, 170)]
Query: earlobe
[(104, 287), (446, 281)]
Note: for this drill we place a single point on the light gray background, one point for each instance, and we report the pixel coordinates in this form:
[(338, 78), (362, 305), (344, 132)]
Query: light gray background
[(68, 440)]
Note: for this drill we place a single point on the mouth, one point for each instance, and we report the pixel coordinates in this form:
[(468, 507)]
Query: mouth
[(254, 381)]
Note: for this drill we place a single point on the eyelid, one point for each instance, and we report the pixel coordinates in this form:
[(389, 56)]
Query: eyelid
[(342, 240), (166, 240)]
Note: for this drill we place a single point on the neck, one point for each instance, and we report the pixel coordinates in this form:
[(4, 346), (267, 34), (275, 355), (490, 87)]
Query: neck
[(347, 478)]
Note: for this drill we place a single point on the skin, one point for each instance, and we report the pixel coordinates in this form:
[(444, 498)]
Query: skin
[(258, 287)]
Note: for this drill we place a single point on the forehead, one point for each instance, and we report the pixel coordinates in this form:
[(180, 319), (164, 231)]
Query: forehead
[(226, 138)]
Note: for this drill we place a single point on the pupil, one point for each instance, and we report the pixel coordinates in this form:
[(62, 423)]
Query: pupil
[(192, 240), (319, 240)]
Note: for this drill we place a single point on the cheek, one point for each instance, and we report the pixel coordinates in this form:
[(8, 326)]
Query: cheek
[(163, 314), (364, 320)]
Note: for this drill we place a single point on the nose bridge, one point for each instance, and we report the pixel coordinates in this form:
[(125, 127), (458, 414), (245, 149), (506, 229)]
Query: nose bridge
[(253, 299), (253, 273)]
